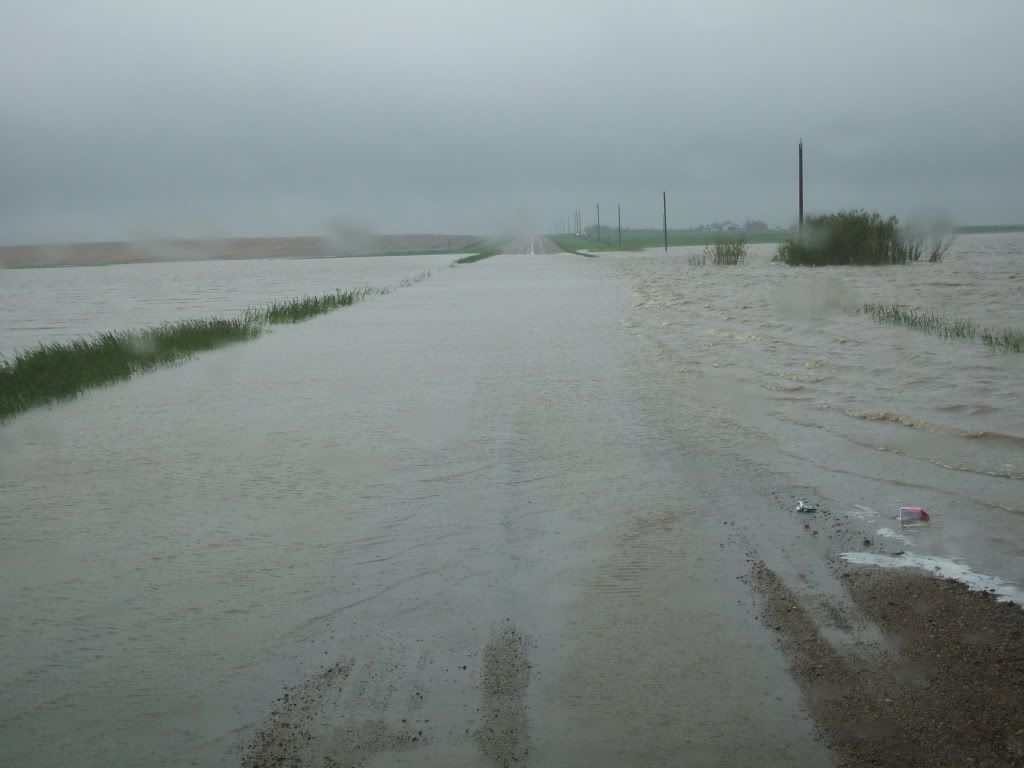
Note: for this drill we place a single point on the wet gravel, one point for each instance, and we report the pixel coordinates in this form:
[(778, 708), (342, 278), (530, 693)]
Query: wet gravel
[(945, 688), (503, 736)]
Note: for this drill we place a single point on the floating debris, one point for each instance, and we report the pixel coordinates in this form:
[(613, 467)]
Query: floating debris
[(913, 515)]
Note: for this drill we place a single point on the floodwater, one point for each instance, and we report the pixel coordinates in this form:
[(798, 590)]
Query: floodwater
[(866, 415), (536, 462), (63, 303)]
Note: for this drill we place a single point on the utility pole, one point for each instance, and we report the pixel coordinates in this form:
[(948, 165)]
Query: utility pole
[(620, 224), (800, 156), (598, 222), (664, 218)]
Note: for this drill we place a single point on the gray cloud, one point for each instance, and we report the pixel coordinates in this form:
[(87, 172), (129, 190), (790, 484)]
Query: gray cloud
[(272, 118)]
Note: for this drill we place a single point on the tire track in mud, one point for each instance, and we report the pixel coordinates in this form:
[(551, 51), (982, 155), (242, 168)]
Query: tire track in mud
[(503, 736)]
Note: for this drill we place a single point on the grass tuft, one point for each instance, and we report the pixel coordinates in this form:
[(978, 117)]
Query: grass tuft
[(1002, 340), (727, 252)]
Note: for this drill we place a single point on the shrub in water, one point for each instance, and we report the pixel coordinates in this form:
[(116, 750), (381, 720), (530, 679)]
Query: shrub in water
[(849, 238), (724, 252), (727, 252)]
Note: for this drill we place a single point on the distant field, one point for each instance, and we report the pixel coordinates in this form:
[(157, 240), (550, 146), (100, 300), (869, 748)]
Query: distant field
[(636, 240), (96, 254), (639, 239), (994, 229)]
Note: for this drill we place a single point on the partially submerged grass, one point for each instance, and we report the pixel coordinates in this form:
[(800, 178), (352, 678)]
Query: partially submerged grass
[(727, 251), (1005, 339), (297, 310), (51, 372), (1002, 340)]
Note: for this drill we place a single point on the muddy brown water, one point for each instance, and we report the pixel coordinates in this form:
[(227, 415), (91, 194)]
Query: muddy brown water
[(871, 417), (519, 496)]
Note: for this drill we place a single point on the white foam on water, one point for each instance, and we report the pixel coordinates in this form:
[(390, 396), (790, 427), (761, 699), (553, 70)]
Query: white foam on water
[(945, 568), (889, 533)]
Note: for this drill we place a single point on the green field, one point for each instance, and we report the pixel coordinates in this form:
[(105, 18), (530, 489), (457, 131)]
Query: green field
[(482, 250), (420, 252), (639, 239)]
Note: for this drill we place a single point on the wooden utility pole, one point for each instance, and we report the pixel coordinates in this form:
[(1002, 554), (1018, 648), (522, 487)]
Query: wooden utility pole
[(800, 156), (598, 222), (664, 218), (620, 224)]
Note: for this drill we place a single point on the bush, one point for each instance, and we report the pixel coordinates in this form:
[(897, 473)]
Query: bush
[(850, 237)]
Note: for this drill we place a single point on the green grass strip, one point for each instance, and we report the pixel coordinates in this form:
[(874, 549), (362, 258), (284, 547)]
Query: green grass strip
[(1002, 340), (297, 310), (51, 372), (580, 245), (486, 250)]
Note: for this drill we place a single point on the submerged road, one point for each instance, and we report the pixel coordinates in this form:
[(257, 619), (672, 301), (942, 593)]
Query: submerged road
[(468, 523)]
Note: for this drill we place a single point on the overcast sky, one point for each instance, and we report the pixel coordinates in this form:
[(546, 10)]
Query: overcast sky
[(223, 117)]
